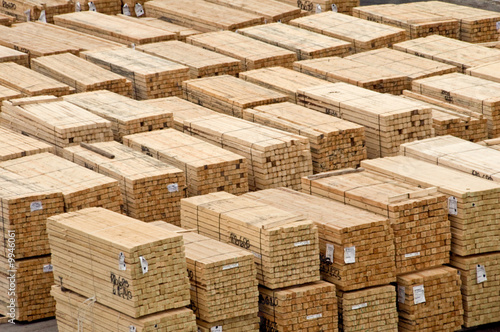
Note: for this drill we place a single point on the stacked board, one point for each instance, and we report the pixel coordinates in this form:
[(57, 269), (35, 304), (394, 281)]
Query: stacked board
[(206, 17), (127, 116), (363, 35), (33, 10), (389, 120), (152, 77), (14, 145), (412, 213), (76, 313), (207, 168), (11, 55), (6, 20), (112, 28), (476, 94), (306, 44), (252, 53), (7, 93), (356, 247), (81, 75), (308, 307), (454, 52), (201, 62), (285, 245), (80, 187), (223, 278), (247, 323), (318, 6), (472, 201), (151, 190), (488, 71), (54, 121), (430, 300), (371, 309), (129, 266), (491, 143), (275, 158), (270, 10), (480, 276), (180, 32)]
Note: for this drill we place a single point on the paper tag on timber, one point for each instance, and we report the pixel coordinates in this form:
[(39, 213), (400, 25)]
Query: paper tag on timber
[(418, 294), (314, 316), (42, 17), (230, 266), (401, 294), (334, 8), (126, 10), (48, 268), (199, 330), (350, 255), (216, 329), (144, 264), (132, 328), (28, 15), (173, 188), (359, 306), (302, 243), (329, 251), (121, 262), (78, 7), (413, 254), (452, 206), (257, 255), (481, 273), (92, 7), (139, 11), (36, 206), (318, 8), (498, 25)]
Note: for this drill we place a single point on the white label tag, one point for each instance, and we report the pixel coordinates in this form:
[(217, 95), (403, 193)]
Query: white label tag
[(78, 7), (452, 206), (199, 330), (302, 243), (413, 254), (144, 264), (329, 251), (48, 268), (230, 266), (314, 316), (401, 294), (334, 8), (173, 187), (418, 294), (359, 306), (498, 25), (42, 17), (36, 206), (92, 7), (139, 11), (259, 256), (350, 255), (216, 329), (126, 10), (481, 273), (121, 262), (318, 8), (28, 15), (132, 328)]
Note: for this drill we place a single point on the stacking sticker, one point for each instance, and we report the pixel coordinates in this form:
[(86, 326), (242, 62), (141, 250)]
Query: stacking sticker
[(350, 255), (452, 206), (401, 294), (144, 264), (359, 306), (413, 254), (481, 273), (418, 294), (329, 251), (121, 262)]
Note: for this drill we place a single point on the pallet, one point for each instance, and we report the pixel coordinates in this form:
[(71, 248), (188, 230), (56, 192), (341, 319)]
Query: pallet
[(34, 10), (318, 6), (270, 10), (181, 33), (285, 245), (14, 145), (307, 307), (10, 55), (152, 77), (356, 247), (252, 53), (207, 16), (33, 278), (430, 300), (127, 116), (108, 7), (201, 62), (77, 313), (363, 35), (389, 120), (411, 211), (335, 143), (472, 201), (7, 93), (246, 323), (151, 190), (371, 309), (223, 278), (207, 168), (6, 20), (127, 265), (81, 75)]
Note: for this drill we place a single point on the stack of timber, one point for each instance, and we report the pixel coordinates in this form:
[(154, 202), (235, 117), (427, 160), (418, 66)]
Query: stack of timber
[(318, 6), (389, 120), (285, 245), (363, 35), (223, 278), (6, 20), (32, 280), (54, 121), (306, 44), (418, 217), (247, 323), (108, 7), (14, 145), (201, 62), (488, 71), (151, 190), (252, 53), (472, 202), (130, 266), (476, 94), (7, 93), (371, 309), (275, 158), (335, 143), (454, 52), (29, 82), (491, 143), (206, 17), (356, 247), (448, 119), (10, 55), (207, 168), (81, 75), (80, 187), (33, 10), (180, 32), (127, 116), (308, 307), (283, 80), (430, 300), (272, 11), (112, 28), (480, 276), (76, 313), (383, 70), (229, 95), (416, 22), (152, 77)]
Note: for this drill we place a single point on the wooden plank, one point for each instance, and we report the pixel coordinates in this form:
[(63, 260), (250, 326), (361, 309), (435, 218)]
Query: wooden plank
[(272, 11), (10, 55), (14, 145), (488, 71), (8, 93), (6, 20), (180, 32)]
